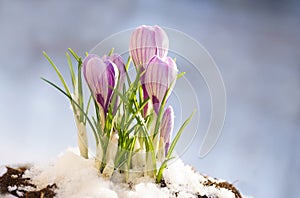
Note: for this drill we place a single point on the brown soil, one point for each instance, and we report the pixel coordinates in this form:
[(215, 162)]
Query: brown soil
[(12, 182), (226, 185)]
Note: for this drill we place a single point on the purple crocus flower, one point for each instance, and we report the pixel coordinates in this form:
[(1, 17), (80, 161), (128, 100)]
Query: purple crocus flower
[(160, 76), (147, 41), (167, 125), (101, 77)]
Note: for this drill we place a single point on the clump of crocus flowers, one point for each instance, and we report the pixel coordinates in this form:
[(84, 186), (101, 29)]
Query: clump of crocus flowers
[(132, 126)]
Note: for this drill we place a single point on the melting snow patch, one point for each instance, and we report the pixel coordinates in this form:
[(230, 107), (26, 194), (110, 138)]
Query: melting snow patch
[(78, 177)]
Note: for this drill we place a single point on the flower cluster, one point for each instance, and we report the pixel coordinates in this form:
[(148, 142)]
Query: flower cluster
[(132, 126)]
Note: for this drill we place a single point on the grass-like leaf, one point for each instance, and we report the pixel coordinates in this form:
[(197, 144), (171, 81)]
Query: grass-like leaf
[(79, 88), (72, 73), (130, 155), (175, 140), (180, 75), (74, 55), (111, 51), (58, 73), (88, 107)]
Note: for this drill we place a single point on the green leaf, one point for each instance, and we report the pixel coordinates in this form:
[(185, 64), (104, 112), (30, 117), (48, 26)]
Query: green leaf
[(74, 54), (138, 111), (72, 73), (124, 99), (88, 107), (130, 155), (175, 140), (161, 169), (141, 94), (111, 51), (79, 87), (180, 75), (57, 72), (128, 63), (98, 127)]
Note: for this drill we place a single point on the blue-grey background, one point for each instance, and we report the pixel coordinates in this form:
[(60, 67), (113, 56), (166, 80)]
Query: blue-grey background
[(256, 45)]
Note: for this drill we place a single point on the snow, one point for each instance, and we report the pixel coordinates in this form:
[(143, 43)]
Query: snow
[(75, 177), (184, 180), (78, 177), (147, 190)]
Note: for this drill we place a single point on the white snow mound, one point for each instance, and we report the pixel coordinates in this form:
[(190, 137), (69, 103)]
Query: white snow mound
[(77, 177)]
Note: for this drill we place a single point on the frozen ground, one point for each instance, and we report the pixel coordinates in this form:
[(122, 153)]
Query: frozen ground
[(256, 45)]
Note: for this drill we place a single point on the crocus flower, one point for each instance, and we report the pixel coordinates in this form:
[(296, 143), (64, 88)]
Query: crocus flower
[(101, 76), (160, 75), (147, 41), (166, 130)]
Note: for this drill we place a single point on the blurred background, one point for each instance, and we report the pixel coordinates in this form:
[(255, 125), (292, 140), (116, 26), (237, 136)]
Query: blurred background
[(256, 45)]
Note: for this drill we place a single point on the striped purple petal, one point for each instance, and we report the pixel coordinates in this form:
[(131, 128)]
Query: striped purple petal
[(160, 75), (147, 41), (119, 62), (167, 125)]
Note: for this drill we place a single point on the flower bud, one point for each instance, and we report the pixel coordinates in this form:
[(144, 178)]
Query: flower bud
[(160, 76), (101, 77), (147, 41), (166, 129)]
